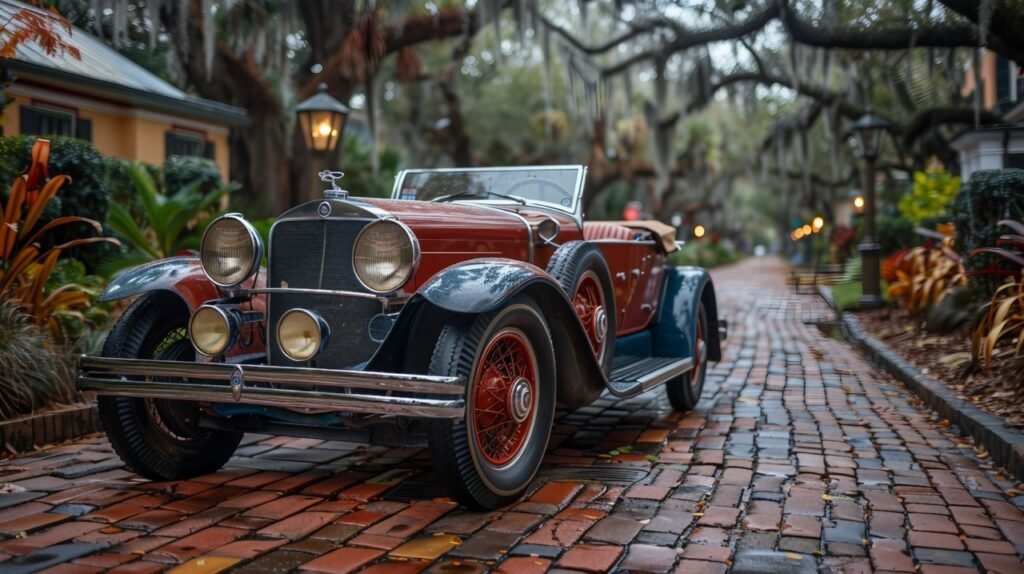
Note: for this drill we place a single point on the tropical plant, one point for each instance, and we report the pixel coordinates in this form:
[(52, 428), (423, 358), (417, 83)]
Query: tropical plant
[(1003, 315), (84, 193), (32, 373), (25, 265), (924, 275), (932, 193), (172, 223)]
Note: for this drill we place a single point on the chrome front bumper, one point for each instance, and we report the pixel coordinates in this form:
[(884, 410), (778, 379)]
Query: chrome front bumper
[(286, 387)]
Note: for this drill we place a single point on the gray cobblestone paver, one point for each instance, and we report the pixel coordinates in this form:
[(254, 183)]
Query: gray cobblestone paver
[(799, 458)]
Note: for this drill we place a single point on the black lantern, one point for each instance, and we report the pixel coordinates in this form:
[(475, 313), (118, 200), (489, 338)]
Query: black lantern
[(322, 119), (869, 130)]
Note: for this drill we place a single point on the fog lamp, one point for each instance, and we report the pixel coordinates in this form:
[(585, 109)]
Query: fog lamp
[(302, 334), (212, 330)]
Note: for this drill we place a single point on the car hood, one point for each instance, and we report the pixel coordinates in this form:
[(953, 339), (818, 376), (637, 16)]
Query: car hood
[(421, 215)]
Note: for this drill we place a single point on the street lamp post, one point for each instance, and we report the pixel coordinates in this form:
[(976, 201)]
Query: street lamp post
[(322, 121), (870, 129)]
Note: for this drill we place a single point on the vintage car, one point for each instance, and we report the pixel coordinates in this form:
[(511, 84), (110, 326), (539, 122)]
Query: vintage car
[(466, 306)]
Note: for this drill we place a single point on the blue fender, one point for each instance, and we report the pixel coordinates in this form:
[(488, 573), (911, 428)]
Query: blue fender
[(180, 275), (481, 286), (685, 288)]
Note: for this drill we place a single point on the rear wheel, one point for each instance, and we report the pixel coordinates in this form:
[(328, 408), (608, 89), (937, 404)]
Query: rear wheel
[(489, 457), (684, 391), (157, 438)]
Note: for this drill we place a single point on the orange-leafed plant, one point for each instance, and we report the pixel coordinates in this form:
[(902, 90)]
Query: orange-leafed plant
[(925, 275), (1003, 316), (25, 263), (47, 28)]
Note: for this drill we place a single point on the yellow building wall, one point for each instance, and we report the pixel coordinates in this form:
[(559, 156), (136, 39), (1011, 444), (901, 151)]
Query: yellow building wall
[(134, 138)]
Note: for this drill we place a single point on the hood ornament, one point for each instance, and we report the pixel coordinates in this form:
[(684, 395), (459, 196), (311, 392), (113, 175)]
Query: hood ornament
[(333, 177)]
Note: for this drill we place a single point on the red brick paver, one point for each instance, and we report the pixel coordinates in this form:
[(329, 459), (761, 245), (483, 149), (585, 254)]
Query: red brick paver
[(800, 457)]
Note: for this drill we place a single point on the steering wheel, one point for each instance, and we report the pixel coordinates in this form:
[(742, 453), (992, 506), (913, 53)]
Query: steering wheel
[(547, 183)]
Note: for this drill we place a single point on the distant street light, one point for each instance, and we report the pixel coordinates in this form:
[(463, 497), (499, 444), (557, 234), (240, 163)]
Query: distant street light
[(322, 120), (858, 203), (817, 224), (870, 129), (699, 231)]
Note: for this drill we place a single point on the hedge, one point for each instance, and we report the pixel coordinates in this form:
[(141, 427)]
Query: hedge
[(987, 197)]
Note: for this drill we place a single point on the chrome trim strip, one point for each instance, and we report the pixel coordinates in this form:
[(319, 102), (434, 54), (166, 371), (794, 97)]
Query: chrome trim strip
[(227, 383), (303, 376), (652, 379), (356, 294), (666, 373), (274, 397)]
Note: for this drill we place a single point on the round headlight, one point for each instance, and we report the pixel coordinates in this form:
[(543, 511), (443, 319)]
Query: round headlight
[(301, 334), (211, 331), (384, 256), (231, 250)]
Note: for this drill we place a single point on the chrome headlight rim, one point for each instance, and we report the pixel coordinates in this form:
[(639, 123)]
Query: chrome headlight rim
[(414, 264), (229, 322), (323, 329), (257, 252)]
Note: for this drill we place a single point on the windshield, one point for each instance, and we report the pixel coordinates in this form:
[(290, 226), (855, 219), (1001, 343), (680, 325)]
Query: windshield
[(554, 186)]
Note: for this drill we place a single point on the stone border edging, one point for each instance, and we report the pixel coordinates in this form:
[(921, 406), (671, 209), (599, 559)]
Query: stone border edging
[(1004, 444), (62, 423)]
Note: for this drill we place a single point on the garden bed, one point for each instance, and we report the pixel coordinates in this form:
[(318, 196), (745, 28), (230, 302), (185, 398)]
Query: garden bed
[(997, 390), (57, 424)]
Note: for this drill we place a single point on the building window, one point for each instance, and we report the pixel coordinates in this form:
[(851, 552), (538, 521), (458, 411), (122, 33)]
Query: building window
[(38, 121), (188, 144)]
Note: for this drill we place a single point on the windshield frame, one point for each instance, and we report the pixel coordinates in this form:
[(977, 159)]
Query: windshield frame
[(577, 192)]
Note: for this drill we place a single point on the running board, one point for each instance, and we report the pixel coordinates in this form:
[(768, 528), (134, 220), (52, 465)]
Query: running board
[(632, 376)]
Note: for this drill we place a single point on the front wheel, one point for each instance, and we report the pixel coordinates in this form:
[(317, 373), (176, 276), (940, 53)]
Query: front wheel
[(684, 391), (160, 439), (489, 457)]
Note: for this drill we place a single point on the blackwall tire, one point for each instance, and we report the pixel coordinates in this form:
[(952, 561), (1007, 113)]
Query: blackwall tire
[(490, 456), (684, 391), (157, 438), (580, 268)]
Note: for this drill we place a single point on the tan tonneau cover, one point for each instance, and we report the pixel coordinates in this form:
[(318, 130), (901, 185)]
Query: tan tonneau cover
[(665, 233)]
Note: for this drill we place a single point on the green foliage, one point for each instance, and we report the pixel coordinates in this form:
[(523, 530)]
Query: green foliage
[(987, 197), (359, 178), (704, 254), (83, 196), (932, 193), (895, 233), (180, 172), (32, 373), (172, 222), (80, 324)]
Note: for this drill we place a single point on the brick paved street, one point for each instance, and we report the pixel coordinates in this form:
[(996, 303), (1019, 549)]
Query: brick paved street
[(800, 458)]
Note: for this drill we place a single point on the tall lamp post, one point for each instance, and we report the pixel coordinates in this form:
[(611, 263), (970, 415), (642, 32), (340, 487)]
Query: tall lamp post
[(322, 121), (870, 129)]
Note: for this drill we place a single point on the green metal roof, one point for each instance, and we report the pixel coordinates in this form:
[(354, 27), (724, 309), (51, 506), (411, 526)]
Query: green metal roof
[(103, 72)]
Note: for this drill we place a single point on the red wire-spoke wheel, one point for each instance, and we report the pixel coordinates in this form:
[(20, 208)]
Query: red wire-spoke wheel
[(504, 397), (489, 456), (588, 300)]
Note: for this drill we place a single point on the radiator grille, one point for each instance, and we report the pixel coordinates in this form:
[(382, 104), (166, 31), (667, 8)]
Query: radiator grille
[(317, 254)]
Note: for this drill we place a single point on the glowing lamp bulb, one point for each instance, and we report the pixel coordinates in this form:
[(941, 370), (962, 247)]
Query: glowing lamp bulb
[(858, 202), (818, 223), (324, 129), (699, 231)]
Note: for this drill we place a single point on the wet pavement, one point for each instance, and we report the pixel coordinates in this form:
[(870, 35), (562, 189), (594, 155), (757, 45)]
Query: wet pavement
[(800, 458)]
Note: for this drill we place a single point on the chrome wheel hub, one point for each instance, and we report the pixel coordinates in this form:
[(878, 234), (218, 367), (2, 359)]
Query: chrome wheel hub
[(600, 324), (520, 400)]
